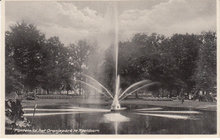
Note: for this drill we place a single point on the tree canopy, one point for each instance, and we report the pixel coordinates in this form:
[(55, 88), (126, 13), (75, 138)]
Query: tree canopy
[(179, 62)]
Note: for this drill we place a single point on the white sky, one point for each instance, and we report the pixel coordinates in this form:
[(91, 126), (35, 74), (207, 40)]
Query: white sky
[(71, 21)]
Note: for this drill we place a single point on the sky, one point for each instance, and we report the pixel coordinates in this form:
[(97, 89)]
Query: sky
[(95, 20)]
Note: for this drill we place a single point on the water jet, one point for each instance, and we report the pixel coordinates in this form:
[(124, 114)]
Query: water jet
[(118, 96)]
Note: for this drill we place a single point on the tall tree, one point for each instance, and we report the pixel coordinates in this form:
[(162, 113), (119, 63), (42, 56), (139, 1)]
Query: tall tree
[(26, 42), (52, 54), (13, 81), (78, 58), (205, 74)]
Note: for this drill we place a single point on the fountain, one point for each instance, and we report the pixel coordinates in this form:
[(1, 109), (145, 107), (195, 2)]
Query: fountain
[(136, 121), (115, 106)]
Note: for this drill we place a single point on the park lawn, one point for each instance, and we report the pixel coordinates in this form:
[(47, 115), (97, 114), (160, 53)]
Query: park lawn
[(209, 106), (76, 100)]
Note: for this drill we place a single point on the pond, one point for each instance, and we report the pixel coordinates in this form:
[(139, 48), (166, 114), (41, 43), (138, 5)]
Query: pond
[(136, 119)]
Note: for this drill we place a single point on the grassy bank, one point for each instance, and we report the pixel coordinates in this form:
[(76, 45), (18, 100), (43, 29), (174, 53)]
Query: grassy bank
[(210, 106)]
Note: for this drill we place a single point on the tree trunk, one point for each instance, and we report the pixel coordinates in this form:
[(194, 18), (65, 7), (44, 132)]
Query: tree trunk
[(48, 91), (178, 92), (136, 95)]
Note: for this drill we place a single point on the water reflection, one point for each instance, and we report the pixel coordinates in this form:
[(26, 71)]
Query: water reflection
[(72, 109), (173, 112), (166, 116), (135, 120), (144, 109), (116, 119)]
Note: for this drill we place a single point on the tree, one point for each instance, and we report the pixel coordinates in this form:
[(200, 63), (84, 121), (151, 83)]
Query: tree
[(108, 68), (13, 81), (25, 42), (185, 52), (172, 61), (50, 79), (205, 73), (78, 58)]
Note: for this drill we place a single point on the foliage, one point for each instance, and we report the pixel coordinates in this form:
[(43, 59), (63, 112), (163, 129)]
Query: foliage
[(205, 73), (23, 45), (32, 61), (14, 116), (181, 62)]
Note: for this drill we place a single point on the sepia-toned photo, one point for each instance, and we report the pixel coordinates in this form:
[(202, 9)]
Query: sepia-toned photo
[(146, 67)]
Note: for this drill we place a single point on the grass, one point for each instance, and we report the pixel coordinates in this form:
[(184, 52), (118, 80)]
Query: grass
[(210, 106)]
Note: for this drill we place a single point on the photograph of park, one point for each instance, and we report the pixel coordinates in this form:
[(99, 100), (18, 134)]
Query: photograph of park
[(146, 67)]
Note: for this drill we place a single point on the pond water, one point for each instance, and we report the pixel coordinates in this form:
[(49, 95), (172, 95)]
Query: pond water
[(136, 119)]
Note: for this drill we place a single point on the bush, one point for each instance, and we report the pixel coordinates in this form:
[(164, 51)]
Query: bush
[(14, 116)]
